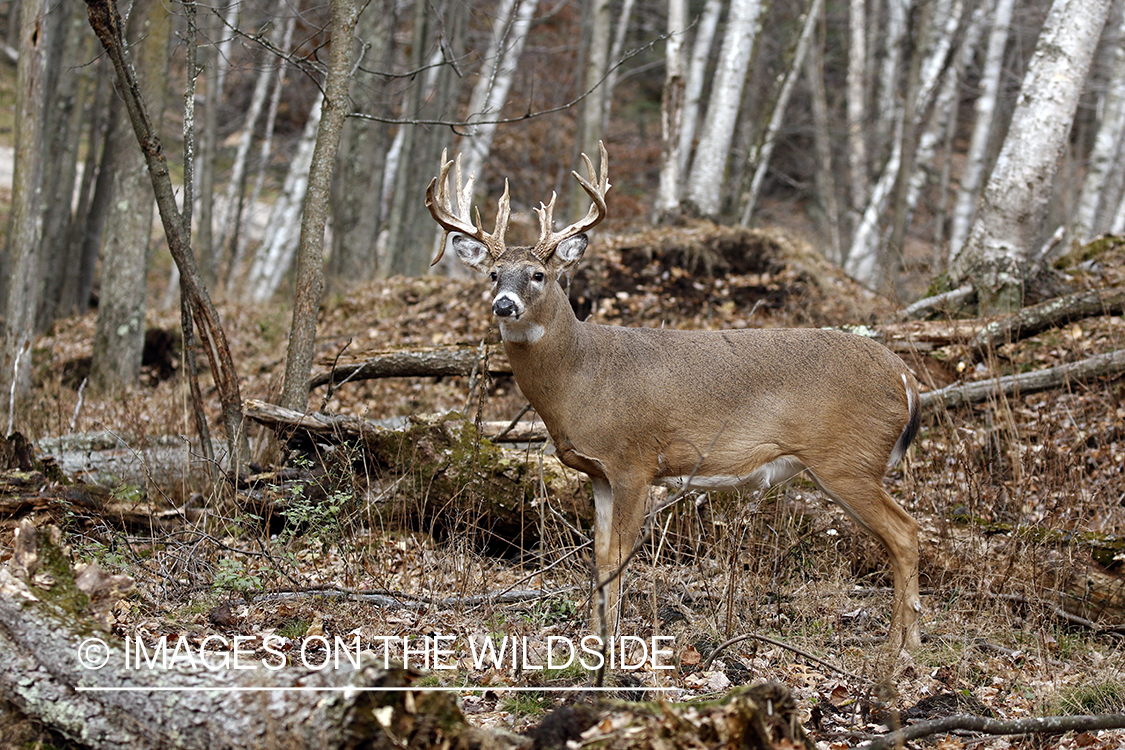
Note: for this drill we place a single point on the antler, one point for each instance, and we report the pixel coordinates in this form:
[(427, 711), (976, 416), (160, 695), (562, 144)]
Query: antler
[(441, 208), (596, 187)]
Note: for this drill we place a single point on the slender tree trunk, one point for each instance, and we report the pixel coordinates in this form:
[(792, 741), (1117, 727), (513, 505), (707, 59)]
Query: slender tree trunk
[(762, 157), (1015, 200), (705, 28), (357, 205), (621, 32), (107, 24), (964, 209), (825, 175), (672, 112), (25, 231), (278, 247), (1091, 216), (120, 334), (594, 105), (64, 131), (310, 253), (857, 104), (708, 170)]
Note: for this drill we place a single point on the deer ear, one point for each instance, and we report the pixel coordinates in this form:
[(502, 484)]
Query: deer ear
[(570, 251), (473, 253)]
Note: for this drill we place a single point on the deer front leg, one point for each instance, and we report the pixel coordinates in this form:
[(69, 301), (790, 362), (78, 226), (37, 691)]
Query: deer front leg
[(620, 513)]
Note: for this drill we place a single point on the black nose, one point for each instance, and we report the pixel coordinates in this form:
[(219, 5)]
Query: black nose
[(504, 308)]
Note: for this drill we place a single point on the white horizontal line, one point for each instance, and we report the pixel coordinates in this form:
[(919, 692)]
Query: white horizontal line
[(341, 689)]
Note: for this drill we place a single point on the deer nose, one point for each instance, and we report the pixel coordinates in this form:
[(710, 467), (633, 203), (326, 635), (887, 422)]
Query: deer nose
[(504, 307)]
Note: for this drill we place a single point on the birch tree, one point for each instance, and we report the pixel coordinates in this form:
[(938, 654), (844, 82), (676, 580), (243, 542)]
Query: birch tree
[(708, 170), (857, 102), (275, 254), (964, 208), (705, 28), (761, 158), (997, 253), (672, 112), (1094, 212)]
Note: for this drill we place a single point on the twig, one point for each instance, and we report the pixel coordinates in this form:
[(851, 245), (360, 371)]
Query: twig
[(1035, 725), (765, 639)]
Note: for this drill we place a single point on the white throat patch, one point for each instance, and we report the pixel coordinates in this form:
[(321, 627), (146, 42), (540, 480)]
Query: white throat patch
[(520, 331)]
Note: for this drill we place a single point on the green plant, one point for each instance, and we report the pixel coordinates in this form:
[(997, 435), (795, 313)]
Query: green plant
[(233, 576), (525, 704)]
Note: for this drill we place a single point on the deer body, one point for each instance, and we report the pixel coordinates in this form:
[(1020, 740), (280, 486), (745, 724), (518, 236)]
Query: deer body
[(632, 407)]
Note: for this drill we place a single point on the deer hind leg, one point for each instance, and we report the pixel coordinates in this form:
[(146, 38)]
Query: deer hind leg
[(867, 501), (620, 514)]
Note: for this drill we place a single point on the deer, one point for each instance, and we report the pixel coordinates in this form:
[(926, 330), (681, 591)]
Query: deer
[(635, 407)]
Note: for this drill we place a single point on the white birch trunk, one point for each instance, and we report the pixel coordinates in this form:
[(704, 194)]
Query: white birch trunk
[(672, 111), (1093, 214), (1014, 202), (964, 209), (863, 257), (778, 115), (615, 53), (693, 85), (509, 33), (890, 73), (276, 252), (705, 185), (825, 175), (857, 103)]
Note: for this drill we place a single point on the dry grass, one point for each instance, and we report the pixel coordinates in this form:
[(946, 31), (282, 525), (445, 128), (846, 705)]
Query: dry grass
[(1004, 492)]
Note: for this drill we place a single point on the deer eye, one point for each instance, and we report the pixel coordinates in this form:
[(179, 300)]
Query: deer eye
[(492, 275), (537, 276)]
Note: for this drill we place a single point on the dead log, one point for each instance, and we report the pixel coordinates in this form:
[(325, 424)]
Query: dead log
[(425, 362), (58, 667), (1053, 313), (1109, 365)]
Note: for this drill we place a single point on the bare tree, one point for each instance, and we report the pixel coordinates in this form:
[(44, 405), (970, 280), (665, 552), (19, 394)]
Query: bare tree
[(120, 335), (310, 254), (999, 248), (24, 288), (985, 107), (708, 170), (672, 112)]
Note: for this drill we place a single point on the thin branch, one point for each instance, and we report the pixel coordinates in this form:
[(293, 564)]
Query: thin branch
[(1035, 725), (764, 639)]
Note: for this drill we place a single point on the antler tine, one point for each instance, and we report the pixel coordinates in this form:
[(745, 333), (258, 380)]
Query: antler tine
[(596, 187), (440, 203)]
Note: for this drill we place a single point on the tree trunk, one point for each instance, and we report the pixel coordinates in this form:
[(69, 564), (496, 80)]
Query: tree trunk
[(310, 254), (825, 175), (672, 112), (1093, 214), (24, 288), (708, 171), (592, 123), (964, 209), (120, 335), (357, 205), (857, 105), (761, 159), (705, 28), (1015, 200), (275, 254)]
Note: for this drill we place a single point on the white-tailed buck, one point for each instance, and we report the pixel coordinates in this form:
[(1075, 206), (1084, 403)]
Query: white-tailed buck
[(633, 407)]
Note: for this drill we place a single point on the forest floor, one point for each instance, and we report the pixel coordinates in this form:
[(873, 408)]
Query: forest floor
[(1006, 492)]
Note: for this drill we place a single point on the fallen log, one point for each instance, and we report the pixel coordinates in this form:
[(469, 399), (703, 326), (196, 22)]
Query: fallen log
[(1053, 313), (1110, 365), (59, 668), (427, 362)]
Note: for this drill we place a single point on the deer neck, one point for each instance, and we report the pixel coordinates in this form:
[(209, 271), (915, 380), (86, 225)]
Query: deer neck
[(543, 348)]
